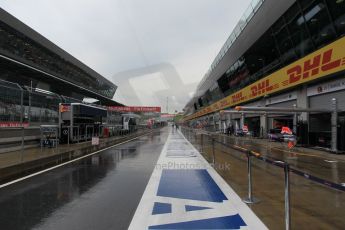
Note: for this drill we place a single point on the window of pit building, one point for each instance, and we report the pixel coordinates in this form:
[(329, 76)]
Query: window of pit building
[(298, 31), (201, 104), (337, 12), (283, 42), (262, 56), (319, 23)]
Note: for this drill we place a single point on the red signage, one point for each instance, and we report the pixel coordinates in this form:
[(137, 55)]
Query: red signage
[(65, 108), (134, 109), (245, 128), (13, 124), (165, 115), (286, 130)]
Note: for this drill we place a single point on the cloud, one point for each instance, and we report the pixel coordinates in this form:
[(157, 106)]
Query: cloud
[(112, 36)]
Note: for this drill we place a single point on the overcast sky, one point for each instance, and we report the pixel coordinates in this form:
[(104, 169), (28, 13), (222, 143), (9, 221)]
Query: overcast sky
[(123, 38)]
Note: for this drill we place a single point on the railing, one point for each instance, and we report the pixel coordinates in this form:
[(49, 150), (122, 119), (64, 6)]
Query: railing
[(192, 134), (253, 7), (20, 105)]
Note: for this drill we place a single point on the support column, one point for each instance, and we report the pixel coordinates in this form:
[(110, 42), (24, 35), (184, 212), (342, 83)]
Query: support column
[(228, 119), (295, 120), (242, 120), (263, 126), (334, 123), (303, 102)]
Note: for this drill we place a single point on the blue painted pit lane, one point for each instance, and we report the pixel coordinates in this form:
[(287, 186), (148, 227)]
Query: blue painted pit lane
[(184, 192), (226, 222), (197, 184)]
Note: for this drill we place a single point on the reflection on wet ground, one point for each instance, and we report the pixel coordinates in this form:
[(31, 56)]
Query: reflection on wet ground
[(99, 192), (313, 206)]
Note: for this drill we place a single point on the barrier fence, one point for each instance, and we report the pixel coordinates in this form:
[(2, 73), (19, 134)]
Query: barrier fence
[(31, 106), (191, 135)]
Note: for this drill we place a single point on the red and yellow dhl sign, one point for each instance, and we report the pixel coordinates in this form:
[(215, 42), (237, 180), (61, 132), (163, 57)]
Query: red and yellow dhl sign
[(328, 60)]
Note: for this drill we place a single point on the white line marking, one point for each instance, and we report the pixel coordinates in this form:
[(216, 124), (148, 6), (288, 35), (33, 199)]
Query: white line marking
[(331, 161), (68, 162)]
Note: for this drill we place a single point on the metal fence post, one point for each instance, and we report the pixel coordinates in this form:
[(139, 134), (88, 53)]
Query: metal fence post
[(202, 143), (68, 134), (21, 106), (287, 196), (213, 152), (250, 199), (29, 111), (22, 146)]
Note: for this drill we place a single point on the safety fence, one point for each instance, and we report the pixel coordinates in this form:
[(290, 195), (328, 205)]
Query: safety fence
[(20, 105), (193, 134)]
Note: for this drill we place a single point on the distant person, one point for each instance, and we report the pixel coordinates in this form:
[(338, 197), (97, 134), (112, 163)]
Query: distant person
[(229, 130)]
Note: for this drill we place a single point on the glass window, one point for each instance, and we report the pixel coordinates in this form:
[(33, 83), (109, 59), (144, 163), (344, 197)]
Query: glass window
[(284, 42), (319, 23), (223, 83), (305, 3), (337, 10), (298, 32)]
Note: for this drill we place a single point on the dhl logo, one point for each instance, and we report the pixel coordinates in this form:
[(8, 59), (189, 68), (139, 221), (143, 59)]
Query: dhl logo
[(261, 88), (237, 97), (312, 67), (323, 62)]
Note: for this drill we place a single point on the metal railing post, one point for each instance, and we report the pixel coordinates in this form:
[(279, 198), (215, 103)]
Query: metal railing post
[(22, 146), (29, 112), (68, 134), (202, 143), (287, 196), (250, 199), (213, 152), (21, 106), (41, 138)]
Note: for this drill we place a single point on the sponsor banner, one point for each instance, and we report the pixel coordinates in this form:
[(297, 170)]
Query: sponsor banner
[(13, 124), (64, 108), (134, 109), (328, 60), (326, 87), (167, 115)]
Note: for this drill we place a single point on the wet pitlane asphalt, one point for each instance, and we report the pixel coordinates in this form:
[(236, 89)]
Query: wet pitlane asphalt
[(99, 192)]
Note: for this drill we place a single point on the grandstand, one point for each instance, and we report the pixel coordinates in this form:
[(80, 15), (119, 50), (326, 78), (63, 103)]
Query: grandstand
[(29, 59), (36, 75)]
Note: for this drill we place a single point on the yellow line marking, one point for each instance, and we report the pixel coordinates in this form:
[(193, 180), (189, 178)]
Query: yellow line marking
[(239, 147)]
